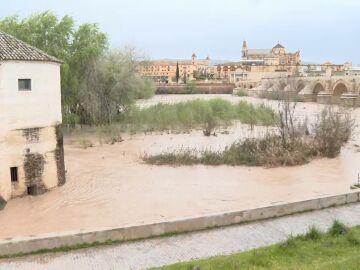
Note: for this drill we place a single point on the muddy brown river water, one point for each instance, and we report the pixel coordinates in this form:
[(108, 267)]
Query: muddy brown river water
[(108, 185)]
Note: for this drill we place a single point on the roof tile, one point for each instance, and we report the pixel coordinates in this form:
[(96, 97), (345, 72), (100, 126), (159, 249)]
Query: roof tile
[(12, 48)]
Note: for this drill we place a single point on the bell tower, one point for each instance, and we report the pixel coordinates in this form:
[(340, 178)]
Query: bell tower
[(244, 52), (194, 58)]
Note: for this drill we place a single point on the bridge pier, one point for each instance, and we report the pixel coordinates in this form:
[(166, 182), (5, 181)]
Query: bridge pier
[(306, 94), (350, 99), (324, 98)]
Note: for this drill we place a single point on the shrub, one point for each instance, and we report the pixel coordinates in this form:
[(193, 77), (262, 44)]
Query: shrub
[(313, 234), (272, 95), (85, 143), (241, 92), (183, 157), (190, 87), (332, 130), (146, 89), (267, 151), (338, 228), (353, 238), (209, 125), (290, 242), (70, 120), (110, 134)]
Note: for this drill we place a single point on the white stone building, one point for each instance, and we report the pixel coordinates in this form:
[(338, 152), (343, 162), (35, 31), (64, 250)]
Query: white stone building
[(31, 144)]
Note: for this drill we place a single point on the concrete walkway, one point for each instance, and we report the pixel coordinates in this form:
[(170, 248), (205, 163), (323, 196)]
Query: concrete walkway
[(163, 251)]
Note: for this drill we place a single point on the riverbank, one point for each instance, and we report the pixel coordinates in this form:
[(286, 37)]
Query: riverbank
[(160, 251)]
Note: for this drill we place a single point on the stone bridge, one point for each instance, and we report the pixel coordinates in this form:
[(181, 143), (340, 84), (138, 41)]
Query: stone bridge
[(326, 90)]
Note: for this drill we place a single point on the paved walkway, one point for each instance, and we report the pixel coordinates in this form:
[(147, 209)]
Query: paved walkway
[(162, 251)]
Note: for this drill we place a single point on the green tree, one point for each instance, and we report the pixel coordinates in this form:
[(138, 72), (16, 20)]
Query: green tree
[(177, 73), (78, 47)]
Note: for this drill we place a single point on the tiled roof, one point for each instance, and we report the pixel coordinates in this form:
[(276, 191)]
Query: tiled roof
[(13, 49), (277, 46)]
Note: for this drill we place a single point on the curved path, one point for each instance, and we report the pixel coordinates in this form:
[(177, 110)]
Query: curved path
[(167, 250)]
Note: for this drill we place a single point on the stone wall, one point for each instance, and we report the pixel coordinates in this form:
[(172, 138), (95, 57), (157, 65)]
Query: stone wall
[(55, 240), (38, 157)]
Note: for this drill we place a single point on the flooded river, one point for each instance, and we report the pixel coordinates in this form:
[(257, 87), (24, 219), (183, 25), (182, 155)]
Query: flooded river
[(109, 186)]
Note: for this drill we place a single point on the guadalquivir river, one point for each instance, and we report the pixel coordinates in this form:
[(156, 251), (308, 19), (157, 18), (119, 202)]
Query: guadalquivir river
[(108, 185)]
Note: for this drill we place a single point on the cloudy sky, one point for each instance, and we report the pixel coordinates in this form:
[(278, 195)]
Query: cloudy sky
[(322, 29)]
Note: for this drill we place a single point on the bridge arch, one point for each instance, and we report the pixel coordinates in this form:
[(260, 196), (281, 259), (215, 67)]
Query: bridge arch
[(339, 88), (317, 88), (282, 85), (267, 84), (300, 85)]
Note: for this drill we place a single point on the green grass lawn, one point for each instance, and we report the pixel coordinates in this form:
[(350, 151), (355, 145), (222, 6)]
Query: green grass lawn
[(337, 249)]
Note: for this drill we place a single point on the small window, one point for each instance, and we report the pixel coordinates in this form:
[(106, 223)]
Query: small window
[(24, 84), (14, 174)]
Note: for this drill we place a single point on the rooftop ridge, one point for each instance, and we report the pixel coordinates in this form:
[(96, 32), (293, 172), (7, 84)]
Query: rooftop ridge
[(12, 48)]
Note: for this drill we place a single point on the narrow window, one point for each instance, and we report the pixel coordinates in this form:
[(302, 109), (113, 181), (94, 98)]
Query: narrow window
[(14, 174), (24, 84)]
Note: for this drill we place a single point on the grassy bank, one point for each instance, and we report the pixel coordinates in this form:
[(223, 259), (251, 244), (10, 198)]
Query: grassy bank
[(196, 114), (339, 248)]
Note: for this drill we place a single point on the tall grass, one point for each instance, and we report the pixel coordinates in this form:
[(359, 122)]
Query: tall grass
[(267, 151), (241, 92), (197, 114), (297, 147)]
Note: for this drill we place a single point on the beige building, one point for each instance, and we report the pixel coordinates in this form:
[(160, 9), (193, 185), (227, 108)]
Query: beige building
[(257, 64), (32, 156), (271, 57), (164, 71)]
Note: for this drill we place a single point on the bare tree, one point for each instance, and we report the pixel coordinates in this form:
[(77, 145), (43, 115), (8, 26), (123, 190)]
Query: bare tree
[(286, 120), (112, 85)]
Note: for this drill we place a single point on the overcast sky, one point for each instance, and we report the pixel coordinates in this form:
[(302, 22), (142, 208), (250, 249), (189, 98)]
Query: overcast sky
[(321, 29)]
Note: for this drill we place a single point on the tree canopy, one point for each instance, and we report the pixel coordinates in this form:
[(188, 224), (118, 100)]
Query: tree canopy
[(84, 50)]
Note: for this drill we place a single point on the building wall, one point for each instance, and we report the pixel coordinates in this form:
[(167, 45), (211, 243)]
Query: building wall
[(166, 70), (36, 108), (253, 72), (274, 56), (30, 135)]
